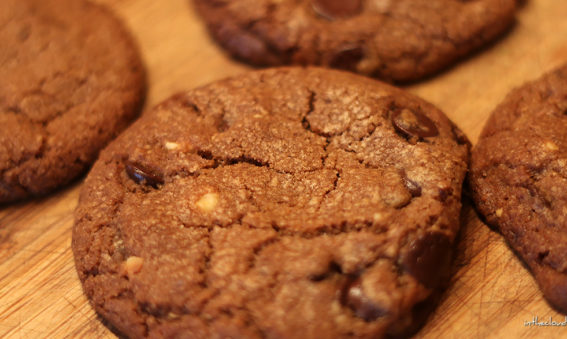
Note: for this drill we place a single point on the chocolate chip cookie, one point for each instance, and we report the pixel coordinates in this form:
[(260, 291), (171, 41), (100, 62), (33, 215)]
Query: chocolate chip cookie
[(397, 40), (519, 178), (71, 80), (281, 203)]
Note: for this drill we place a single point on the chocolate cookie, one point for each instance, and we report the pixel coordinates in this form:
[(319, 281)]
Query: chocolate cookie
[(397, 40), (71, 80), (282, 203), (519, 178)]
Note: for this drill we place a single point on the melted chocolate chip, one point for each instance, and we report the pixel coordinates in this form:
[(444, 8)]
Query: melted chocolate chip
[(354, 298), (347, 58), (413, 187), (427, 257), (143, 175), (413, 123), (336, 9)]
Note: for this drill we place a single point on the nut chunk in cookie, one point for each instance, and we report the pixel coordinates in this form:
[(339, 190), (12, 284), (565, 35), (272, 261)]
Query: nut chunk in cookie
[(282, 203)]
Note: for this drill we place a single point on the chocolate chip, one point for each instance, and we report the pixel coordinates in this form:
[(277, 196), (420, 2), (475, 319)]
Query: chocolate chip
[(353, 297), (541, 256), (347, 58), (427, 257), (413, 123), (413, 187), (444, 193), (333, 269), (336, 9), (143, 175), (221, 124), (186, 102)]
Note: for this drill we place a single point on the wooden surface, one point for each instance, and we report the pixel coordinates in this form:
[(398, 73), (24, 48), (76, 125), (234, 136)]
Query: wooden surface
[(491, 293)]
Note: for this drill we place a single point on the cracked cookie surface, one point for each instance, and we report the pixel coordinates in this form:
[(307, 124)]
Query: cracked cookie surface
[(395, 40), (519, 178), (281, 203), (71, 80)]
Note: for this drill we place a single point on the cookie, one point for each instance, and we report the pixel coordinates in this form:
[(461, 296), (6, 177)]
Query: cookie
[(519, 178), (281, 203), (71, 80), (399, 40)]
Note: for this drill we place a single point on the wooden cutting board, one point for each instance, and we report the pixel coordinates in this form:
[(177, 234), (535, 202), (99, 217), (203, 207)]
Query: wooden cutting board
[(491, 293)]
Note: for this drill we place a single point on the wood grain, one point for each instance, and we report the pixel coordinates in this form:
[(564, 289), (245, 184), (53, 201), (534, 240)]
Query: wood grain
[(491, 293)]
